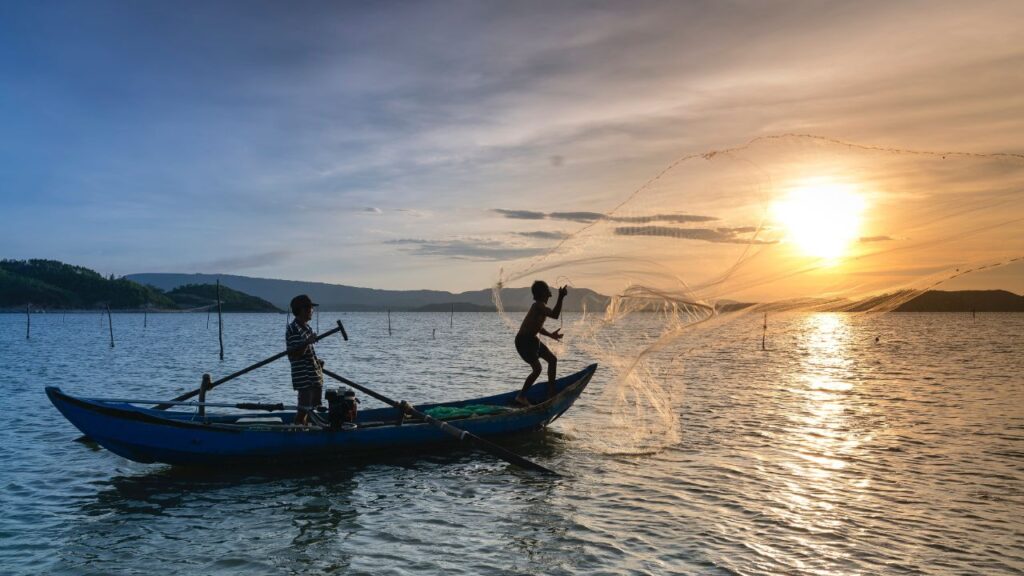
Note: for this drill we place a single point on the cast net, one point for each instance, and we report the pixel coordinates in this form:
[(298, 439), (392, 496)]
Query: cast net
[(782, 224)]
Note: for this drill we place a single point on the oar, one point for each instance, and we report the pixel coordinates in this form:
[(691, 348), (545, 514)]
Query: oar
[(216, 383), (463, 435)]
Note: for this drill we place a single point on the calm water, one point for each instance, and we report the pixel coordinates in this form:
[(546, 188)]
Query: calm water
[(829, 453)]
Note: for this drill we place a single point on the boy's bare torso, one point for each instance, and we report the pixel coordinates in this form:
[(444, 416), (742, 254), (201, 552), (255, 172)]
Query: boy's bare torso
[(534, 320)]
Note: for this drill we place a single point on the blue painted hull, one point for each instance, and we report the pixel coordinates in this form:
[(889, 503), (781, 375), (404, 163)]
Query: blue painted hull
[(181, 438)]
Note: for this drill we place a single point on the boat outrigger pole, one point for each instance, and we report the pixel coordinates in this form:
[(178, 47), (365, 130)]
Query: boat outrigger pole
[(240, 405)]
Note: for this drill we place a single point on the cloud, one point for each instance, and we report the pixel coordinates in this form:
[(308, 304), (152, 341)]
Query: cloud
[(588, 217), (717, 235), (544, 235), (876, 238), (243, 262), (677, 218), (521, 214), (479, 250), (577, 216), (372, 210)]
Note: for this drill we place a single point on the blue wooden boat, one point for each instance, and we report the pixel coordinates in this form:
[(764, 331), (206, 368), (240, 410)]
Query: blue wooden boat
[(186, 438)]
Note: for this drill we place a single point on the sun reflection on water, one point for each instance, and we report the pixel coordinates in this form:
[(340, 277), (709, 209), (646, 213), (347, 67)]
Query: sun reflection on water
[(823, 438)]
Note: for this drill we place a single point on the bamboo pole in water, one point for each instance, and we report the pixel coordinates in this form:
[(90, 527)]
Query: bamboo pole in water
[(28, 322), (389, 321), (451, 321), (764, 330), (206, 385), (220, 323), (110, 323)]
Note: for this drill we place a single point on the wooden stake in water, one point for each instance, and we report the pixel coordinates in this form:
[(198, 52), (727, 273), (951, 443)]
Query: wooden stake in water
[(145, 314), (433, 333), (389, 321), (207, 318), (451, 322), (764, 330), (28, 322), (110, 323), (220, 323)]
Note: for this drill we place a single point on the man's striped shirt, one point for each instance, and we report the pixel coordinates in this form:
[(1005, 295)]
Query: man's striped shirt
[(306, 370)]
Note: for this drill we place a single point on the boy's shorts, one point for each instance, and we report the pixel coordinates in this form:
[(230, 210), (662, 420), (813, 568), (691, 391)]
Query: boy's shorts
[(530, 348), (310, 396)]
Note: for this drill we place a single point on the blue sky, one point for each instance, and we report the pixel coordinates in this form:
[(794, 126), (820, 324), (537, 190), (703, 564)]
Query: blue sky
[(373, 143)]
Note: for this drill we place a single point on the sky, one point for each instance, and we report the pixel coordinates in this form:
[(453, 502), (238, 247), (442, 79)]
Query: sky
[(412, 145)]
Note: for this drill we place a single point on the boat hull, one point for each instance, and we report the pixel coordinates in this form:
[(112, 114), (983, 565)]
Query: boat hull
[(181, 438)]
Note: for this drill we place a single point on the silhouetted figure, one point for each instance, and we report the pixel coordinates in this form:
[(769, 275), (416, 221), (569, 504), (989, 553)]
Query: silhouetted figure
[(307, 369), (528, 344)]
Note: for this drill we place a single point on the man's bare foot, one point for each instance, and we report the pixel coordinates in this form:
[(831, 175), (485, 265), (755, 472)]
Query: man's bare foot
[(520, 401)]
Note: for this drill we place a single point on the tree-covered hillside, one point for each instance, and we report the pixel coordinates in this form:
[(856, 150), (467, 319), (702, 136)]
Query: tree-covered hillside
[(53, 284), (203, 295)]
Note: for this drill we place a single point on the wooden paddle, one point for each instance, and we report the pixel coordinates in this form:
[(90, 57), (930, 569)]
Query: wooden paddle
[(463, 435), (216, 383)]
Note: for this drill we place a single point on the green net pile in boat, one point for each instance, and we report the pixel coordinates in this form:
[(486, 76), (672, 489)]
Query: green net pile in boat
[(448, 412)]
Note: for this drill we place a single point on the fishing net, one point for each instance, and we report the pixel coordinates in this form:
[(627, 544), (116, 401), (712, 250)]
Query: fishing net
[(450, 412), (781, 224)]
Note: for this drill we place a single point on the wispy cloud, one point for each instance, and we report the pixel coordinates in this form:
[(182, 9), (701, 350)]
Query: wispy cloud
[(466, 249), (588, 217), (544, 235), (577, 216), (241, 262), (876, 238), (521, 214), (717, 235)]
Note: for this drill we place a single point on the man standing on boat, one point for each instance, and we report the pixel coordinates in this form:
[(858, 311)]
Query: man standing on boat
[(307, 368)]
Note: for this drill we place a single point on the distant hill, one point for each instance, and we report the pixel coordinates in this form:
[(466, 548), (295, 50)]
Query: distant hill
[(456, 306), (53, 284), (337, 297), (205, 295), (965, 301)]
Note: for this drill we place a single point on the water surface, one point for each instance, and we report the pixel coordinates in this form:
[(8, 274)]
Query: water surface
[(830, 452)]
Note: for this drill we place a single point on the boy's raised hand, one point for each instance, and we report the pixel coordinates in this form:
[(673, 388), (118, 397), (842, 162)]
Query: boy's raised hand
[(563, 291)]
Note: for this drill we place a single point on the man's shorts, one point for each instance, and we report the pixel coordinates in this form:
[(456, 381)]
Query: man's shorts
[(530, 348), (310, 396)]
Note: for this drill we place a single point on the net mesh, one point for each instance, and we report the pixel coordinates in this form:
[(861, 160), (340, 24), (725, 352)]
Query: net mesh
[(782, 224)]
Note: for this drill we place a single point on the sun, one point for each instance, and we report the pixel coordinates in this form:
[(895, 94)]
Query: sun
[(822, 217)]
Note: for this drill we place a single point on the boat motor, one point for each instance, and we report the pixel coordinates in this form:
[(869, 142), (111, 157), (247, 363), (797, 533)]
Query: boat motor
[(341, 407), (349, 406)]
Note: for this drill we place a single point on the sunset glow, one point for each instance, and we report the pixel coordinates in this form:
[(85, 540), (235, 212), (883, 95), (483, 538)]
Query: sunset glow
[(821, 217)]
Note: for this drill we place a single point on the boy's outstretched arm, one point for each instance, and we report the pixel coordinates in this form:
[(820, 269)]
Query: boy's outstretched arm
[(557, 310)]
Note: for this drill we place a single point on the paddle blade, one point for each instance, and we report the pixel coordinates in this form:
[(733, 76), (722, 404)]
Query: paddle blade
[(487, 445)]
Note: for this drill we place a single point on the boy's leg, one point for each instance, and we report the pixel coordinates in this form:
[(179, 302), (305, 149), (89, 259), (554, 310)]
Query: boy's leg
[(534, 373), (300, 414), (552, 367), (311, 397)]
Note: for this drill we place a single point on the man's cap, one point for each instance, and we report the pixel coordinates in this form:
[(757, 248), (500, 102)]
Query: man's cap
[(301, 301)]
